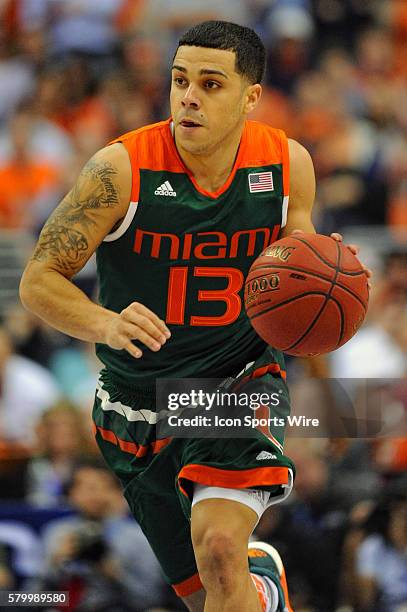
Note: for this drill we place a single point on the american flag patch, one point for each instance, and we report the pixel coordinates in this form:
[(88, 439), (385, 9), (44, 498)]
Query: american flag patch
[(261, 181)]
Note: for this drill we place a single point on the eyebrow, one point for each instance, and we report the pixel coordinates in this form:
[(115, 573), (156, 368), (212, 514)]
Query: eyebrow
[(202, 72)]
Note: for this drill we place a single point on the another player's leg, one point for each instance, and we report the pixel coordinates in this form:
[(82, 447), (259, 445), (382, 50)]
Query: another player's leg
[(196, 601), (220, 533)]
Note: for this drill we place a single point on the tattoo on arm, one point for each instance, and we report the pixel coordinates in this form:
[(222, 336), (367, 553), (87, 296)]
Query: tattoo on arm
[(63, 239)]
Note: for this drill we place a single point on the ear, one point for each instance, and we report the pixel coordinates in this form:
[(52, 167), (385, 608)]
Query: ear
[(253, 95)]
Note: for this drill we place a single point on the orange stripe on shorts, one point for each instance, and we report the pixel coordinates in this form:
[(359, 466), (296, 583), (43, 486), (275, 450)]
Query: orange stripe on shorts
[(188, 586)]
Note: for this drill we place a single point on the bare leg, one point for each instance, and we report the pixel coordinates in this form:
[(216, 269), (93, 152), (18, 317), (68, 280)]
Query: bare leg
[(196, 601), (220, 534)]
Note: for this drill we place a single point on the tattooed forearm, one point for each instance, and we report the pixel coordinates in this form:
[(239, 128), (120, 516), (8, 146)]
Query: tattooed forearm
[(63, 240)]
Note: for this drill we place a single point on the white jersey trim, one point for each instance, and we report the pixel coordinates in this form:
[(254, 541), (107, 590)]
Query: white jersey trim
[(124, 225), (284, 211)]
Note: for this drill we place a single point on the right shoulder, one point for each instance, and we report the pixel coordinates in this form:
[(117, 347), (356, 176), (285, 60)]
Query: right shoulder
[(142, 135), (149, 147)]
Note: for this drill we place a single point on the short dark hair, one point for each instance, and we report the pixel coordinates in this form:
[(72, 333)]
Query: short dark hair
[(249, 49)]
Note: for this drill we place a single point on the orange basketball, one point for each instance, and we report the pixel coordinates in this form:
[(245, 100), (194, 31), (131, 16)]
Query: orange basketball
[(306, 294)]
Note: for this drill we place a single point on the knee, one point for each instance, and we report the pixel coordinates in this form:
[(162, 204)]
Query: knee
[(220, 551), (220, 535)]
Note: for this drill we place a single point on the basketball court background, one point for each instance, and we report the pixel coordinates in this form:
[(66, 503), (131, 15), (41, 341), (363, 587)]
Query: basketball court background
[(73, 75)]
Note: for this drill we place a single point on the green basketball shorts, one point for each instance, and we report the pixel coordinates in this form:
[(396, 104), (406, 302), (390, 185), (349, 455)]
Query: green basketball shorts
[(158, 475)]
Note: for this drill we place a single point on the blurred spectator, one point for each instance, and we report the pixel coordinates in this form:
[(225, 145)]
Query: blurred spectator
[(145, 73), (308, 531), (171, 19), (26, 391), (29, 188), (31, 337), (62, 440), (386, 338), (289, 31), (16, 77), (76, 27), (21, 553), (100, 555), (45, 141), (381, 558), (75, 370), (6, 577), (337, 82), (390, 286)]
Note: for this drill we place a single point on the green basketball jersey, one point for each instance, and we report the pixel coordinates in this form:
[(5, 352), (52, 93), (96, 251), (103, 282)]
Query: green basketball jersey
[(185, 252)]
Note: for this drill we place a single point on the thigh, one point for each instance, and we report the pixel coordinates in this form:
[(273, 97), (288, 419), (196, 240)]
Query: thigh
[(225, 517), (147, 469), (255, 462), (168, 531)]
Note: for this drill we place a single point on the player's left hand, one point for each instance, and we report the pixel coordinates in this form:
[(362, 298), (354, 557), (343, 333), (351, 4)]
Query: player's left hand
[(355, 250)]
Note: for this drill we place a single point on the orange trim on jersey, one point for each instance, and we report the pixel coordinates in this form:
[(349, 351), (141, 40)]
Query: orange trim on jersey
[(149, 147), (153, 148), (139, 450), (135, 174), (262, 145), (233, 479), (188, 586), (226, 185)]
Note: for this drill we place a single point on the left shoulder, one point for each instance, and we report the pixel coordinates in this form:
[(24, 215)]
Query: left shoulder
[(302, 177), (299, 155)]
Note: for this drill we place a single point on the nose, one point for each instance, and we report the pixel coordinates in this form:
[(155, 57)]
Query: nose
[(190, 99)]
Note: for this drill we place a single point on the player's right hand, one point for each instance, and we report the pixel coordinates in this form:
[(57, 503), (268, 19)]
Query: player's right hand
[(136, 322)]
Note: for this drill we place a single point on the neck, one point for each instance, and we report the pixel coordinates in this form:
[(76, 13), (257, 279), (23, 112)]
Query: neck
[(212, 168)]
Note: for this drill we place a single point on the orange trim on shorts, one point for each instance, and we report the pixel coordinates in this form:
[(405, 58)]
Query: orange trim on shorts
[(283, 582), (272, 368), (261, 591), (233, 479), (139, 450), (188, 586)]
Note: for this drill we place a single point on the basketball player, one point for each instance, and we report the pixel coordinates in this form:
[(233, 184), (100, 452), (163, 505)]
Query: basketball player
[(177, 212)]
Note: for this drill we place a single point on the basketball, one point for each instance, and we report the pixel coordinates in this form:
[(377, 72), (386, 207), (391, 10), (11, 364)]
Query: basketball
[(306, 294)]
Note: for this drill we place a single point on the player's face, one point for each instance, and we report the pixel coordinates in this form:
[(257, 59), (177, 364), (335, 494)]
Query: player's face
[(209, 99)]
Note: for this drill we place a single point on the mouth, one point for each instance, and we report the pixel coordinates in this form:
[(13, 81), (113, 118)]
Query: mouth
[(189, 123)]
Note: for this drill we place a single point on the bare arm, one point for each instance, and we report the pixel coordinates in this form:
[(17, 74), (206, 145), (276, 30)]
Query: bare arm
[(302, 190), (98, 200)]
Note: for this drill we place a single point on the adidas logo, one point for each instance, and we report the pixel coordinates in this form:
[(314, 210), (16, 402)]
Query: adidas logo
[(165, 190), (265, 455)]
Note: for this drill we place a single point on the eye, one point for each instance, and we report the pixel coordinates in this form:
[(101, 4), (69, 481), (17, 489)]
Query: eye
[(212, 85), (179, 80)]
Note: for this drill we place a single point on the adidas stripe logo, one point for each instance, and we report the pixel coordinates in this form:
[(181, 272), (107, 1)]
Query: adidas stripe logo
[(265, 455), (165, 190)]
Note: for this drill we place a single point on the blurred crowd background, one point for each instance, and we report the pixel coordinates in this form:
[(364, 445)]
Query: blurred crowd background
[(73, 75)]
